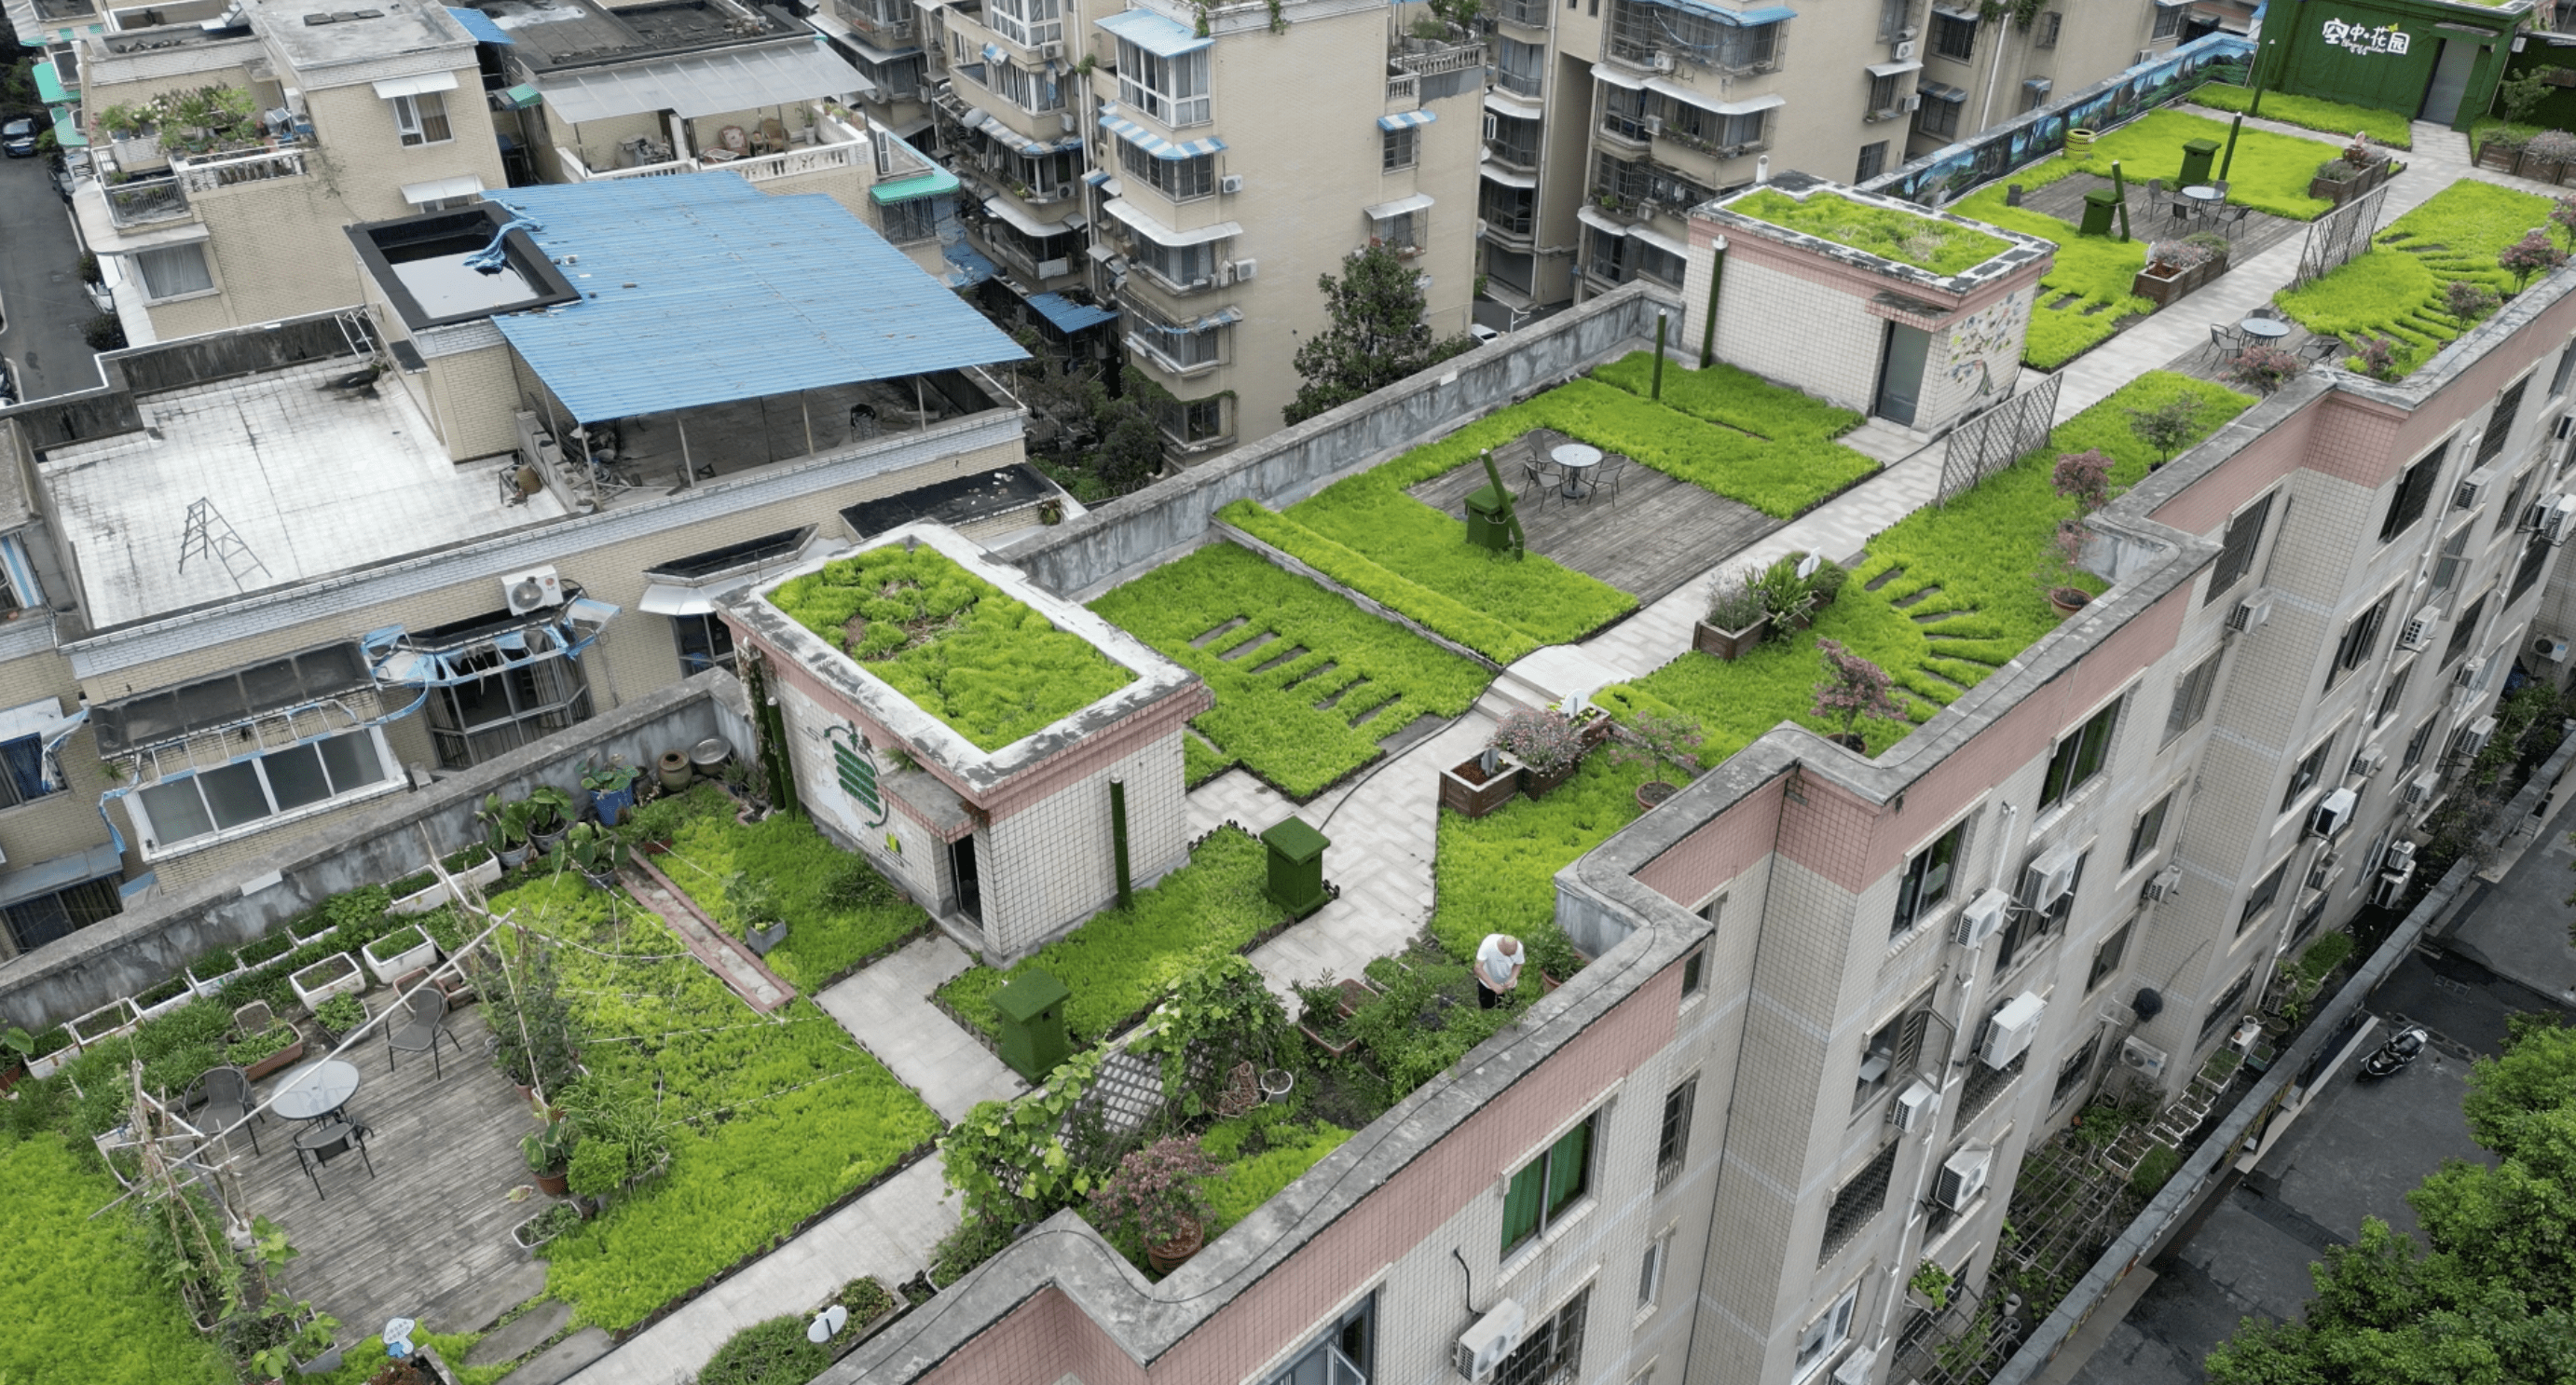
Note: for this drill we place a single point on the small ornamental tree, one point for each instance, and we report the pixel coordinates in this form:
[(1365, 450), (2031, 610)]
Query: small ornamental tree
[(2563, 216), (1655, 742), (2263, 368), (2528, 256), (1542, 738), (2469, 301), (1854, 688), (2083, 477), (1156, 1191), (2376, 357), (2167, 427), (1375, 334)]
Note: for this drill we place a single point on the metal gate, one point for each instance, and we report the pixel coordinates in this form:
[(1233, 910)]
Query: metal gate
[(2336, 238), (1992, 440)]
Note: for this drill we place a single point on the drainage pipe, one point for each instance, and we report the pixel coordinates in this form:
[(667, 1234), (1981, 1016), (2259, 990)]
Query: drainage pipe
[(1118, 833), (1708, 325)]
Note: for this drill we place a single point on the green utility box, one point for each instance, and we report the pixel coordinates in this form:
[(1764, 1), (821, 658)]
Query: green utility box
[(1489, 519), (2100, 205), (1033, 1038), (1296, 867), (2197, 157)]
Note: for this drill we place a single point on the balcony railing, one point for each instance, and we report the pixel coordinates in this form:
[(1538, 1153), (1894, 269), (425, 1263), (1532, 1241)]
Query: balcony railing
[(1517, 83), (890, 34), (233, 170), (842, 147), (145, 201), (1520, 158), (1405, 88), (1529, 14), (1446, 57)]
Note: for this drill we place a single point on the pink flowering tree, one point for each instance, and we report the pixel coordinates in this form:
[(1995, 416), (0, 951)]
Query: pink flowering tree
[(2528, 256), (2083, 477), (1853, 688), (2468, 300), (1156, 1191), (1542, 738)]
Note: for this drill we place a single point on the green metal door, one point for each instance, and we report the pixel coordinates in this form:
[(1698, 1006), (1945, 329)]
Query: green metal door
[(2451, 68)]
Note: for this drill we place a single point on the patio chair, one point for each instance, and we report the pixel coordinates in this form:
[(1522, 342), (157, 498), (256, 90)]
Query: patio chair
[(2225, 342), (424, 1019), (2232, 219), (1606, 476), (773, 135), (1538, 478), (328, 1140), (221, 1098), (2318, 350)]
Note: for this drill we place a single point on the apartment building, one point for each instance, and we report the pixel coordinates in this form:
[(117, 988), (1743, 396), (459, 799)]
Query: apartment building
[(266, 576)]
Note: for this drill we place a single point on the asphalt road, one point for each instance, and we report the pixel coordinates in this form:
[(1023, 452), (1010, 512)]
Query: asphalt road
[(40, 290)]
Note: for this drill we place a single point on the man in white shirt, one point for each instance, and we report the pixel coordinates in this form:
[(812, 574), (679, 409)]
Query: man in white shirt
[(1498, 968)]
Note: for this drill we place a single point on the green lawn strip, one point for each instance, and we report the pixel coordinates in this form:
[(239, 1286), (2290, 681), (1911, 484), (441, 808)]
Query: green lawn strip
[(1200, 761), (2271, 172), (1497, 873), (1250, 1180), (1125, 959), (990, 667), (1736, 398), (361, 1363), (771, 1120), (2398, 289), (1419, 540), (1984, 551), (1940, 246), (79, 1298), (797, 866), (2312, 112), (2096, 268), (1268, 719)]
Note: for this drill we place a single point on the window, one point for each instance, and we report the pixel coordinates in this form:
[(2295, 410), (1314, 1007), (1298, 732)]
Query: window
[(1027, 23), (2077, 1067), (1825, 1334), (2148, 832), (1672, 1138), (2359, 638), (1400, 147), (1857, 1202), (705, 642), (2415, 743), (1403, 231), (1928, 878), (1707, 129), (1983, 1084), (248, 792), (1171, 90), (1643, 180), (2566, 366), (2223, 1009), (2393, 694), (1882, 93), (1896, 1049), (2191, 698), (2310, 768), (421, 118), (1954, 36), (1034, 92), (1650, 1273), (1553, 1350), (2027, 928), (1695, 970), (174, 271), (513, 704), (1182, 267), (2465, 634), (1545, 1187), (1177, 179), (917, 219), (1514, 141), (1891, 19), (2414, 487), (2034, 92), (2500, 422), (2264, 893), (1518, 66), (1345, 1353), (2049, 25), (1698, 38), (2511, 512), (1189, 421), (35, 922), (1873, 161), (2168, 23), (2236, 549), (2107, 958), (2454, 557), (2079, 757), (1938, 114), (2535, 556)]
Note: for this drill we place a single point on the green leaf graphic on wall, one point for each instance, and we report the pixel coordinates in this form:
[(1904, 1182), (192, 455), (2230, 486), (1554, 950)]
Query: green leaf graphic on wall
[(855, 761)]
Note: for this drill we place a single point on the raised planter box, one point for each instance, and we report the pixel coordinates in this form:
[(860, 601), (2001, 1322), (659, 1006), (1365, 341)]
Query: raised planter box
[(113, 1018), (2165, 284), (153, 1010), (1729, 645), (1465, 788), (337, 974), (209, 986), (277, 1062), (411, 958), (1538, 785), (1327, 1046), (309, 930), (2344, 191)]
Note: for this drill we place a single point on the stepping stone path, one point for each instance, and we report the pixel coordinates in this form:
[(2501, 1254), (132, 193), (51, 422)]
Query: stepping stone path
[(559, 1361), (733, 963), (525, 1334), (478, 1304)]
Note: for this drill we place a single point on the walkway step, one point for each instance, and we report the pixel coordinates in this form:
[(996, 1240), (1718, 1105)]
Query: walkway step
[(734, 964), (525, 1334), (480, 1302), (563, 1358)]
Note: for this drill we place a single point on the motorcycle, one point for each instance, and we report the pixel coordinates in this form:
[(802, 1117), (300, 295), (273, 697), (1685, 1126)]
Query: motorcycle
[(2399, 1051)]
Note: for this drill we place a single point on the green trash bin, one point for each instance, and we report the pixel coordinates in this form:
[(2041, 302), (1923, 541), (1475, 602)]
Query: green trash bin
[(2197, 157), (2100, 205), (1296, 867), (1488, 519), (1033, 1037)]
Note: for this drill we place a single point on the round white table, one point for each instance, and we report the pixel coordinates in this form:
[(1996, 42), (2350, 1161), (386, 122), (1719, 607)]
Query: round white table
[(2204, 194), (316, 1089), (1577, 459), (2265, 328)]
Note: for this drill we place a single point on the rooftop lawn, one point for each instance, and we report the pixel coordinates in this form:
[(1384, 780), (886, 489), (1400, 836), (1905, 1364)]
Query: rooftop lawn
[(990, 667), (1349, 677), (1959, 592), (2398, 290), (2270, 172), (2313, 112), (1497, 873), (1925, 242), (1772, 451), (79, 1297), (2098, 270)]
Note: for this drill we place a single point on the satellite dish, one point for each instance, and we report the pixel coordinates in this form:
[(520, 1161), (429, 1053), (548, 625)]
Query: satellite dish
[(2149, 1004)]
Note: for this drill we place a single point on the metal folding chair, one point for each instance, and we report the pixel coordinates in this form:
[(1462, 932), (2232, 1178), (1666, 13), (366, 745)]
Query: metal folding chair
[(424, 1020), (328, 1140), (221, 1098)]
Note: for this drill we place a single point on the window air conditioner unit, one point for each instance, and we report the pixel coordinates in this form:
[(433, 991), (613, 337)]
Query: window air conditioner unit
[(1479, 1351), (1980, 919), (2147, 55), (2469, 672), (1050, 51), (2163, 885), (2251, 612), (1661, 62), (1245, 269), (532, 590), (2550, 647), (2324, 869), (2417, 633), (2559, 520), (1914, 1107), (2141, 1056), (2369, 762), (1855, 1368), (2420, 789), (1963, 1176), (1909, 103), (2472, 738), (2049, 876), (1905, 51), (2400, 856), (2390, 887), (1230, 184), (2471, 491), (2009, 1033), (2333, 813), (1654, 124)]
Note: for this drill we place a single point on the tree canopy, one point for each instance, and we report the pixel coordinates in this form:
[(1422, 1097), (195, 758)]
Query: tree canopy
[(1376, 336)]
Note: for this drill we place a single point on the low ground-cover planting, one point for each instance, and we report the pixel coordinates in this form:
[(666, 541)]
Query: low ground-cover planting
[(2085, 295), (769, 1120), (1200, 761), (1961, 590), (1348, 678), (2314, 113), (1940, 246), (2399, 290), (1497, 874), (839, 912), (1123, 960), (79, 1298), (988, 666), (2270, 172)]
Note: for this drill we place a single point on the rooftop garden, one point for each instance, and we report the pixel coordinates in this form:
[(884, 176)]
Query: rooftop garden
[(2430, 276), (990, 667), (2270, 172), (1497, 873), (1943, 597), (82, 1294), (2389, 128), (1772, 449), (1943, 247), (2084, 297), (1306, 683)]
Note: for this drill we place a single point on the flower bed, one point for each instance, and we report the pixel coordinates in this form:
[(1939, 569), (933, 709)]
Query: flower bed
[(81, 1300), (770, 1122), (1943, 247), (1971, 562), (1266, 714), (2312, 112), (2270, 172), (990, 667), (2455, 235)]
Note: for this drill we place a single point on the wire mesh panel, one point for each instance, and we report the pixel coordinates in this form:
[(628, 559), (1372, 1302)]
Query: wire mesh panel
[(2337, 237), (1989, 442)]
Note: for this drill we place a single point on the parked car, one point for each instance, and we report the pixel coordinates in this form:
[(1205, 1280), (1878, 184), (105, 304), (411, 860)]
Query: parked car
[(18, 137)]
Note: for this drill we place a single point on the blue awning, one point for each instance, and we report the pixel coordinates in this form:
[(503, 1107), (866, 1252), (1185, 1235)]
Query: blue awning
[(480, 25), (1155, 144), (1096, 176), (971, 268), (60, 873), (1156, 35), (1067, 315), (1405, 120), (993, 53), (1766, 14)]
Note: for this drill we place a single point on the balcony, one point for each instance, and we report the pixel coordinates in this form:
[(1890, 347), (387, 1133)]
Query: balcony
[(1635, 131), (1528, 14), (1519, 158), (212, 172), (891, 34), (1518, 83), (1428, 69), (841, 148), (145, 201)]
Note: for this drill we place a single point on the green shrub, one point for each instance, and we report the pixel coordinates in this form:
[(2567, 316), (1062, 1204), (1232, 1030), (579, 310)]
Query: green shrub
[(839, 911), (2313, 112), (2454, 236), (598, 1168), (2270, 172), (2155, 1170), (990, 667), (82, 1300), (2324, 955), (768, 1353), (1267, 719), (1939, 246), (865, 1298)]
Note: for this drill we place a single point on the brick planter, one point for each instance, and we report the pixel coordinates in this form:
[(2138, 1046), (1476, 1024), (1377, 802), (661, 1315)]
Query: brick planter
[(1465, 789), (1729, 645)]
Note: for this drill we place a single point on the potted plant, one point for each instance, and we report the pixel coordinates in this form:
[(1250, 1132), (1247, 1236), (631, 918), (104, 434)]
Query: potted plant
[(1545, 743), (1931, 1285), (310, 1345), (1480, 784), (115, 1017), (549, 1154), (868, 1304), (271, 1049), (311, 927), (209, 973), (1657, 742), (1784, 594), (596, 853), (1324, 1012), (2177, 267), (1735, 621), (2545, 156), (612, 790), (505, 828), (2502, 149), (17, 1047), (550, 814), (1853, 688), (405, 949), (335, 975), (555, 1220), (340, 1016), (1155, 1193), (165, 996), (1826, 583)]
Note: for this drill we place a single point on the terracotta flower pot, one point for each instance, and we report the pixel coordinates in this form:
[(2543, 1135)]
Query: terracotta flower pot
[(1652, 793), (1170, 1255), (554, 1184), (2069, 601)]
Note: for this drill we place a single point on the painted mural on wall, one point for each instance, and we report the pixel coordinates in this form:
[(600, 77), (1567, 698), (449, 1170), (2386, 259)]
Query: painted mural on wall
[(1985, 346)]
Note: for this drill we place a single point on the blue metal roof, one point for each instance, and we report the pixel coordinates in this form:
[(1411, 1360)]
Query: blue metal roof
[(1155, 144), (1766, 14), (701, 290), (480, 25), (1067, 315), (1156, 35), (1405, 120)]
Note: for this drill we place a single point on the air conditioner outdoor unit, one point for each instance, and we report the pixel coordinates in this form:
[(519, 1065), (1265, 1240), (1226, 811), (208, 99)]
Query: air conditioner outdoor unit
[(1905, 51), (2471, 492), (2251, 612), (1654, 124), (1855, 1368), (2400, 856), (1479, 1351), (2550, 647), (2390, 887), (2333, 813), (1050, 50), (1981, 918), (1661, 62), (2369, 762), (1230, 184), (2420, 789), (2472, 738), (2417, 633), (2137, 1054), (2148, 55), (2049, 876), (2009, 1033), (1909, 103), (2324, 869), (2469, 671), (1245, 269), (1914, 1107), (1963, 1176), (2559, 520), (532, 590), (2163, 885)]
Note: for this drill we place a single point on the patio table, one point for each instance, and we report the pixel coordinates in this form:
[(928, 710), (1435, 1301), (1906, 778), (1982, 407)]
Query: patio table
[(1577, 459), (2203, 199), (2269, 329), (316, 1089)]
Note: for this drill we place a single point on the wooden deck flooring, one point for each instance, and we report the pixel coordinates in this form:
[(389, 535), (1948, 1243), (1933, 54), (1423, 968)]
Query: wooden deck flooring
[(1656, 535), (2064, 199)]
